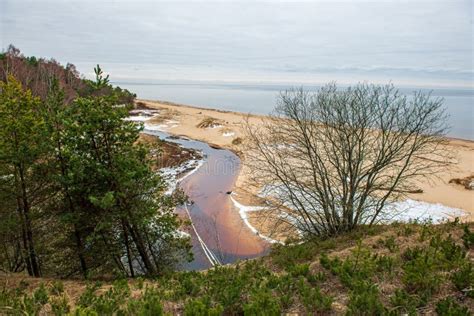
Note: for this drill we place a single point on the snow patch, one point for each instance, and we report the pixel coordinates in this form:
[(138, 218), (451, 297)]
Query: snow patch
[(171, 175), (401, 211), (411, 210), (137, 118), (243, 210), (168, 124)]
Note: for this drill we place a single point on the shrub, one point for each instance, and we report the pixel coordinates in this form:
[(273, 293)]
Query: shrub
[(298, 270), (407, 230), (314, 278), (449, 307), (262, 303), (285, 288), (56, 288), (365, 300), (420, 276), (468, 237), (390, 244), (359, 266), (463, 279), (40, 295), (452, 254), (426, 231), (148, 305), (139, 283), (312, 298), (286, 255), (108, 303), (60, 305), (405, 302), (87, 298), (200, 308), (385, 264)]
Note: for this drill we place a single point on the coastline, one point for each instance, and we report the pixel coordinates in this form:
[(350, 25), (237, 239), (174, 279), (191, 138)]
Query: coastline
[(437, 191)]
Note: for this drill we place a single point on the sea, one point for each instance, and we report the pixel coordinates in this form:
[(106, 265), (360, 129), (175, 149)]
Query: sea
[(262, 98)]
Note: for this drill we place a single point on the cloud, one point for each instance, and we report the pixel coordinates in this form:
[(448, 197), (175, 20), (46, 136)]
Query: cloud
[(276, 36)]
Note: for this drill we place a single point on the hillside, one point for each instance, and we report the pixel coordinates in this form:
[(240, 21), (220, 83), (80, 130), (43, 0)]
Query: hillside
[(36, 75), (397, 269)]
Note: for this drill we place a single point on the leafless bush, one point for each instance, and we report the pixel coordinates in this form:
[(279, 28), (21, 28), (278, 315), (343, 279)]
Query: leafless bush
[(332, 160)]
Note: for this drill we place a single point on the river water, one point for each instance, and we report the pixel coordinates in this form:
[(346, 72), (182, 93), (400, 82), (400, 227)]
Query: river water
[(217, 224)]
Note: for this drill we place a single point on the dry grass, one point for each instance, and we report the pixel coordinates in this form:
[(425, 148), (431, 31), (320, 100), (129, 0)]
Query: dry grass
[(167, 154), (209, 122), (139, 105), (237, 141), (226, 130), (164, 115), (465, 182)]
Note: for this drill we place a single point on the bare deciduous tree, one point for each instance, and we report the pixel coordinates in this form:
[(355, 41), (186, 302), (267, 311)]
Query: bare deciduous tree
[(332, 160)]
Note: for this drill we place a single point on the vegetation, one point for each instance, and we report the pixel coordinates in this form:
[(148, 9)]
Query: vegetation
[(79, 196), (335, 159), (209, 122), (85, 228), (342, 275), (35, 74)]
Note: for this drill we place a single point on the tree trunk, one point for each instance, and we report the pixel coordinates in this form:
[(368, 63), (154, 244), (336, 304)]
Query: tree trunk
[(80, 251), (138, 240), (127, 245), (29, 232)]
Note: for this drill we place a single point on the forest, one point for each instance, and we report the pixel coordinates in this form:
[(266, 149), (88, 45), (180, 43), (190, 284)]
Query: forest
[(78, 194)]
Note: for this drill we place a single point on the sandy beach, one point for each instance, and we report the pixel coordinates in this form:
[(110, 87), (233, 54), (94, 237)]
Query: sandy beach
[(226, 131)]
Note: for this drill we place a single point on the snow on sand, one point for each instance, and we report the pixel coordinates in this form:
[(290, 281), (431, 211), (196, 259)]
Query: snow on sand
[(404, 211)]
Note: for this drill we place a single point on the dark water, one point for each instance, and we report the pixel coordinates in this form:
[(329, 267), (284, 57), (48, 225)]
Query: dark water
[(217, 222), (260, 99)]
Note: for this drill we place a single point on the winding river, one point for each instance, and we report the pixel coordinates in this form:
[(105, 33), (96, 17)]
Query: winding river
[(219, 235)]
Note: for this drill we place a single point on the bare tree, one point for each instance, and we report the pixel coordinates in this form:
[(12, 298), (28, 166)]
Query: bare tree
[(332, 160)]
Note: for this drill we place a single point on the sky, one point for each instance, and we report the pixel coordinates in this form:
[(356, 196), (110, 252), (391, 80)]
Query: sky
[(413, 43)]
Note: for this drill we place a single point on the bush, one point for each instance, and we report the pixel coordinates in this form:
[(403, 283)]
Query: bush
[(288, 255), (390, 244), (40, 295), (298, 270), (407, 230), (365, 300), (56, 288), (385, 264), (405, 302), (449, 307), (356, 268), (312, 298), (285, 291), (200, 308), (468, 237), (148, 305), (262, 303), (420, 275), (60, 305), (463, 279), (108, 303)]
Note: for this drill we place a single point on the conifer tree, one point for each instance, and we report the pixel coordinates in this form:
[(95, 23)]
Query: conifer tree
[(22, 144)]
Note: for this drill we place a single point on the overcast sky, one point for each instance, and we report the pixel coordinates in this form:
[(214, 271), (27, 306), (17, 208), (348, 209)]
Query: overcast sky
[(414, 42)]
